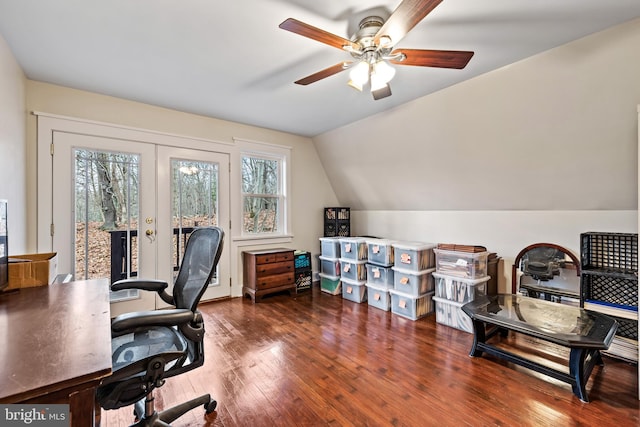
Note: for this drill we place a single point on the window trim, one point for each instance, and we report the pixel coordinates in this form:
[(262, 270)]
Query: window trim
[(248, 148)]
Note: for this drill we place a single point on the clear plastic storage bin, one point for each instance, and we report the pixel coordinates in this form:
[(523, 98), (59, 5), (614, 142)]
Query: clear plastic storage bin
[(330, 247), (413, 255), (409, 306), (353, 248), (329, 266), (380, 252), (450, 313), (353, 270), (355, 291), (472, 265), (330, 284), (378, 297), (459, 289), (413, 282), (379, 275)]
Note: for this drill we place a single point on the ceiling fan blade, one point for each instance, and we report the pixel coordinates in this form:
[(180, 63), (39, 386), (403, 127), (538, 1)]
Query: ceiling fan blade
[(317, 34), (334, 69), (433, 58), (403, 19)]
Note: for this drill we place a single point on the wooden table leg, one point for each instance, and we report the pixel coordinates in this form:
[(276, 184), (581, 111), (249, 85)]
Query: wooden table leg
[(82, 407)]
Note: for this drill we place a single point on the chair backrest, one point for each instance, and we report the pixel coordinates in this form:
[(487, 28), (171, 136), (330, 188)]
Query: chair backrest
[(201, 256)]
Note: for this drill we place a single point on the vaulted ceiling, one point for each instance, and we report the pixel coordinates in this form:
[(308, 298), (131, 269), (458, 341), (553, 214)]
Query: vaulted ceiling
[(230, 60)]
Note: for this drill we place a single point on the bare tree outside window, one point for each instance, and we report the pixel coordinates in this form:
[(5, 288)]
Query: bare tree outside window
[(105, 200), (261, 194)]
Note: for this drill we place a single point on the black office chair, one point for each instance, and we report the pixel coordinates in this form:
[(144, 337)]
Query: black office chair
[(149, 346)]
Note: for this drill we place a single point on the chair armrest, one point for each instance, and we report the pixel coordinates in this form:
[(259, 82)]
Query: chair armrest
[(144, 284), (130, 321), (158, 286)]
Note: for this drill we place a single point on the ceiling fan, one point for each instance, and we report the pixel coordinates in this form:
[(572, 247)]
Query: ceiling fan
[(372, 47)]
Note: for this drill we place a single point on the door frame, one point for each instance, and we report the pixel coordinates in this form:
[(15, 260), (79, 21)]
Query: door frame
[(48, 124)]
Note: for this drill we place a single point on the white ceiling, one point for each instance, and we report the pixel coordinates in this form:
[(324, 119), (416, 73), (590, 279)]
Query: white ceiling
[(229, 59)]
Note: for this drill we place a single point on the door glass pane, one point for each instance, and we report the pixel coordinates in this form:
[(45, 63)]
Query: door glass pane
[(194, 202), (106, 217)]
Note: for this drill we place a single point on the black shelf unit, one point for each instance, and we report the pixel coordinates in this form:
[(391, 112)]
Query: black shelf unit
[(337, 222)]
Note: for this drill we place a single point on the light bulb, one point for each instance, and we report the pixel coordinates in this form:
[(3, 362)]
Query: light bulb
[(360, 74), (383, 71)]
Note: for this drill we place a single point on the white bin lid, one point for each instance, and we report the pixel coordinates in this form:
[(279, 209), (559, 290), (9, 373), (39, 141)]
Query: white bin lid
[(348, 281), (410, 296), (413, 272), (415, 246), (448, 301), (352, 239), (461, 279), (352, 261), (377, 287), (330, 239), (326, 258), (380, 241), (328, 277)]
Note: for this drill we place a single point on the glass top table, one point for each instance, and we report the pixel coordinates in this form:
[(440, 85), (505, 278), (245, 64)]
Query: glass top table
[(584, 332)]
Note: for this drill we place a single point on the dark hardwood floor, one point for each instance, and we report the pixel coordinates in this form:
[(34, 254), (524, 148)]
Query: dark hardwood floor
[(316, 360)]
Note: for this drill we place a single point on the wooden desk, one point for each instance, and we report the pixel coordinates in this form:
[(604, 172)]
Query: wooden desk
[(56, 346)]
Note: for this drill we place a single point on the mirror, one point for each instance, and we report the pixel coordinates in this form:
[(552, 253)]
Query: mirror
[(549, 271)]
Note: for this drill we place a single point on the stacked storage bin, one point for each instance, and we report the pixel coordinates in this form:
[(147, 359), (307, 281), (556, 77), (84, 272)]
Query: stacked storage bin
[(330, 265), (413, 285), (353, 271), (302, 269), (460, 277), (379, 273)]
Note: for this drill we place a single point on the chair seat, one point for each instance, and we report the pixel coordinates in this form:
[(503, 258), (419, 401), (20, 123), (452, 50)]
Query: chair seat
[(131, 353), (133, 347)]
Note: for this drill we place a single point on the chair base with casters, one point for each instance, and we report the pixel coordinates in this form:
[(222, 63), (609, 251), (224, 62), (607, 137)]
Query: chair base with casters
[(148, 347)]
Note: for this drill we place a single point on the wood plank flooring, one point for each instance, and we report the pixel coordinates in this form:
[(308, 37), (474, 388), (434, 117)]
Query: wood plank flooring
[(318, 360)]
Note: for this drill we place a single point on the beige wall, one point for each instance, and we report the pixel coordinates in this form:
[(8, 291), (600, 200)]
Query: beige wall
[(553, 132), (538, 151), (310, 187), (13, 163)]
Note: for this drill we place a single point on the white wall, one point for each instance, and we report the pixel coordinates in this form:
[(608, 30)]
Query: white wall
[(13, 163), (553, 132), (310, 186)]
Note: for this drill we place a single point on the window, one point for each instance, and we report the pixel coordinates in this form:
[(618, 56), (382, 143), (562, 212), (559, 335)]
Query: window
[(262, 195)]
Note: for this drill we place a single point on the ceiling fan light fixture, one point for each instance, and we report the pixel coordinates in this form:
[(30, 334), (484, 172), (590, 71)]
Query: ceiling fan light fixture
[(385, 41), (382, 72), (359, 74), (355, 85)]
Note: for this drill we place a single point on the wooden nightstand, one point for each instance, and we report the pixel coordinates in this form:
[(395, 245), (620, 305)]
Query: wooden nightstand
[(268, 271)]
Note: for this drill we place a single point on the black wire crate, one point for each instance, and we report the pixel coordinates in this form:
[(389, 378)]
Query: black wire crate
[(304, 279), (609, 251), (612, 288), (627, 328), (337, 222)]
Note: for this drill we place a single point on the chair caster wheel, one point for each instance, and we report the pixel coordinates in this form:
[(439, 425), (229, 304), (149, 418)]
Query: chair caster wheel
[(211, 406)]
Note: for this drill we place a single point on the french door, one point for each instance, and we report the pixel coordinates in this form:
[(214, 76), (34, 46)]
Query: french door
[(124, 209)]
